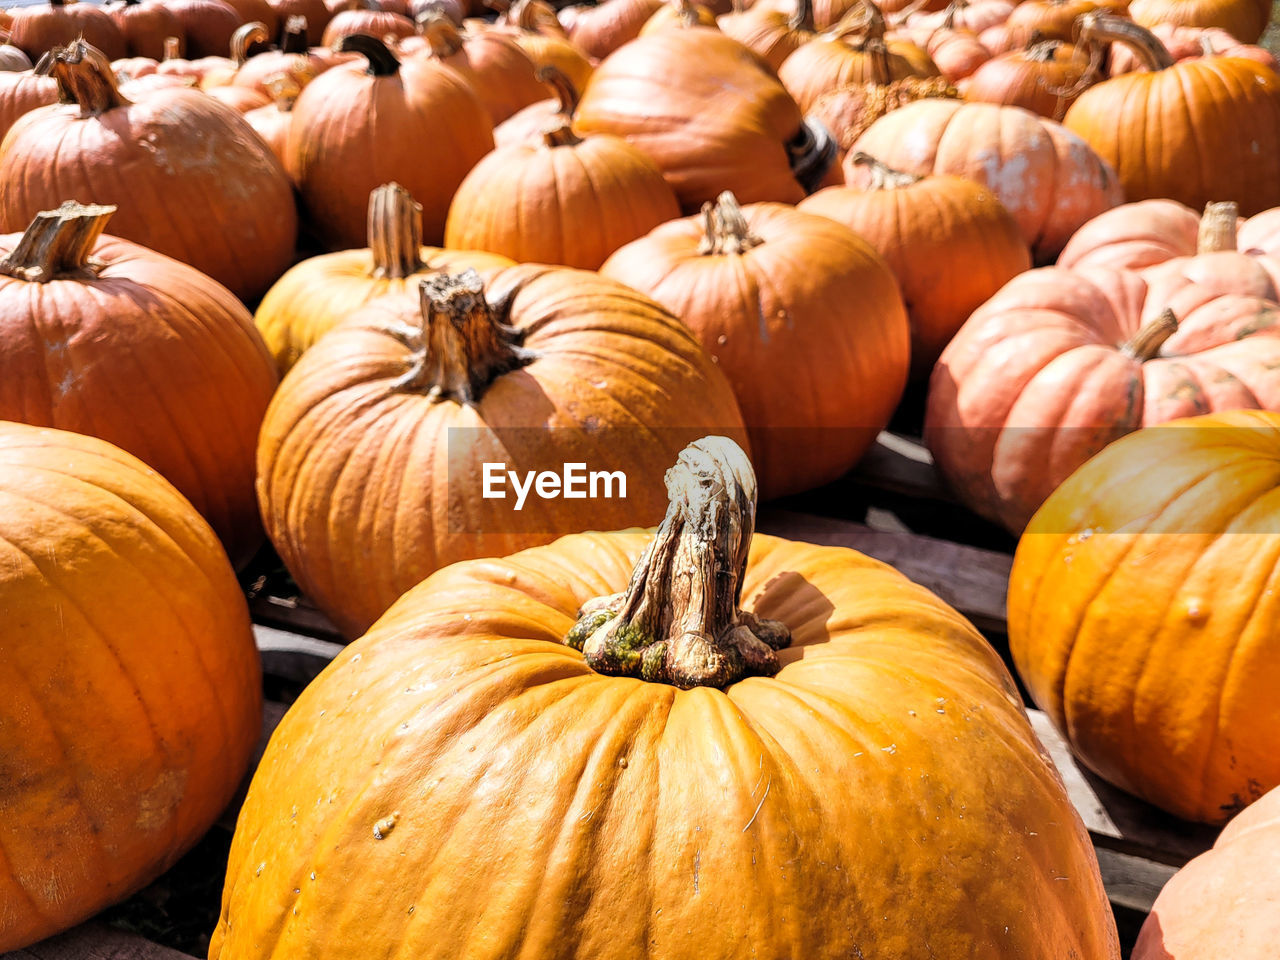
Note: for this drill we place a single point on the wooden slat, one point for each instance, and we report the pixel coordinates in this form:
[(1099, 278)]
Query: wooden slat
[(901, 465), (95, 941), (295, 614), (1130, 881)]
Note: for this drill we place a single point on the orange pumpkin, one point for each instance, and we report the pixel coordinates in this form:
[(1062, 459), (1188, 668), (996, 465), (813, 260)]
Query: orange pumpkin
[(847, 112), (192, 179), (293, 60), (272, 122), (1246, 20), (726, 707), (144, 24), (1141, 612), (1046, 176), (22, 92), (1223, 903), (315, 12), (132, 691), (358, 126), (1185, 43), (766, 288), (1045, 77), (39, 28), (533, 25), (598, 31), (367, 18), (1049, 20), (562, 366), (950, 243), (972, 15), (207, 25), (771, 34), (678, 14), (1152, 126), (955, 52)]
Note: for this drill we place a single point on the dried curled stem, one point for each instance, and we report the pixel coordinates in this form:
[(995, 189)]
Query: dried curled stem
[(84, 77), (725, 229), (1146, 343), (1218, 227), (883, 176)]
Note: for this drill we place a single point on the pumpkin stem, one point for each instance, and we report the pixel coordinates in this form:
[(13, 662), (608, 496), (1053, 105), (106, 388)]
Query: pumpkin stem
[(440, 33), (883, 176), (283, 90), (1146, 343), (172, 48), (802, 20), (560, 84), (246, 35), (812, 152), (294, 38), (1218, 227), (84, 76), (1039, 50), (680, 621), (725, 228), (463, 345), (1101, 28), (558, 132), (686, 13), (395, 232), (535, 16), (382, 62), (58, 243)]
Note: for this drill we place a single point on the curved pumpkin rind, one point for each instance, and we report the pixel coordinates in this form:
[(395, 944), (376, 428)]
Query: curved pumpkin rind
[(1245, 20)]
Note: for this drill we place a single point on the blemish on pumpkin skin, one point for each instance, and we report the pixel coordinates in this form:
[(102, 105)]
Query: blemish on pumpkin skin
[(383, 827)]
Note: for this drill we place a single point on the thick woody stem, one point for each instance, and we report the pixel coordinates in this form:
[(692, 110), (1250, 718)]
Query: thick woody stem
[(58, 243), (680, 620), (1101, 28), (1218, 227), (535, 16), (802, 19), (294, 38), (395, 232), (382, 62), (686, 12), (560, 84), (725, 228), (246, 36), (462, 346), (84, 76), (883, 176), (1039, 50), (1146, 343), (172, 48)]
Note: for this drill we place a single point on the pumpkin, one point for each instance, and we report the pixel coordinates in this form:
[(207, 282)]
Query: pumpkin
[(766, 288), (722, 698), (957, 53), (535, 367), (258, 11), (533, 25), (293, 61), (96, 331), (972, 15), (1223, 903), (317, 294), (492, 63), (678, 14), (207, 25), (1246, 20), (530, 122), (1185, 43), (134, 68), (832, 60), (356, 127), (22, 92), (710, 114), (848, 111), (1151, 126), (949, 242), (1046, 176), (241, 100), (132, 698), (220, 72), (1045, 78), (826, 13), (201, 186), (37, 29), (13, 60), (771, 34), (144, 24), (367, 18), (313, 11), (560, 199), (1048, 20), (1062, 361), (144, 86), (175, 65), (598, 31), (272, 122), (1141, 612)]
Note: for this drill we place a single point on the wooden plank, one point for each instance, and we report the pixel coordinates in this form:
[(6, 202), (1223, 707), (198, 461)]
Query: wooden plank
[(295, 614), (1132, 882), (292, 656), (901, 465), (95, 941)]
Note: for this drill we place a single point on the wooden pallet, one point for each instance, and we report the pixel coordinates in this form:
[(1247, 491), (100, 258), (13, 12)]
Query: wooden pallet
[(1139, 848)]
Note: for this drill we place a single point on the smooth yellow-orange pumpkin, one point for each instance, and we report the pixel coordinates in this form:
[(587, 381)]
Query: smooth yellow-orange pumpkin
[(320, 292), (1246, 20), (461, 782), (130, 692), (370, 462), (803, 317), (1143, 606)]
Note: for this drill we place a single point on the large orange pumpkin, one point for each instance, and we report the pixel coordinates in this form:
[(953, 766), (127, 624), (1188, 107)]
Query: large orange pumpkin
[(131, 689), (361, 125), (1045, 77), (207, 25), (764, 748), (370, 462), (191, 178), (1154, 127), (950, 243), (771, 34), (1045, 175), (107, 338), (768, 289), (20, 93), (1226, 902), (145, 25), (1185, 43), (1246, 20), (39, 28), (317, 294), (1142, 611)]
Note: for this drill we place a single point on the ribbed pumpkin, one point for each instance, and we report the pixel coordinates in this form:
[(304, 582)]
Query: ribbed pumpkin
[(1224, 902), (973, 15), (1045, 77), (771, 34), (847, 112), (207, 25), (361, 125), (11, 58), (678, 14), (957, 53), (950, 243), (598, 31), (22, 92), (560, 199), (294, 59), (533, 25), (370, 458), (1153, 127), (39, 28), (1048, 20), (1185, 43), (768, 289), (826, 13), (1246, 20), (365, 17), (1143, 610), (710, 114), (192, 179), (104, 337), (744, 720), (1046, 176), (131, 687), (1060, 362), (319, 293), (145, 25)]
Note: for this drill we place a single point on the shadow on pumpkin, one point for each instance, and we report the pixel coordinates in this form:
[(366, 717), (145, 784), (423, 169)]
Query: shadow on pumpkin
[(804, 608)]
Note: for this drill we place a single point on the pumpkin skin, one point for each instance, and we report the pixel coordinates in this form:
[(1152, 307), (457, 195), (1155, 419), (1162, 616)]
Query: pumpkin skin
[(1044, 78), (207, 25), (1230, 102), (1061, 362), (949, 242), (1224, 902), (145, 25), (1046, 176), (372, 23), (600, 30), (130, 673), (597, 780), (1185, 43), (358, 126), (771, 34), (609, 360), (13, 60), (22, 92), (1246, 20), (956, 53), (847, 112), (227, 210), (315, 11), (769, 288), (1169, 695), (534, 26), (35, 30)]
